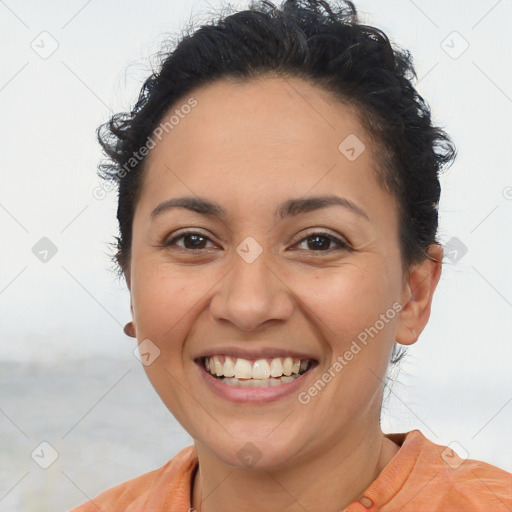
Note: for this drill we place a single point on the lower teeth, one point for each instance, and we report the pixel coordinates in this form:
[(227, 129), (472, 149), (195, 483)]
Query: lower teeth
[(258, 383)]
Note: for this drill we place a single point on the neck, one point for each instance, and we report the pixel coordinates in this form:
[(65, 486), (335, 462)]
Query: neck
[(324, 481)]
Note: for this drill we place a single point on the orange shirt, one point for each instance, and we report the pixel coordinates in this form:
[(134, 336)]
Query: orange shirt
[(421, 477)]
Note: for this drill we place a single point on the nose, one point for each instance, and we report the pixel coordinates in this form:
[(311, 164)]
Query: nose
[(252, 294)]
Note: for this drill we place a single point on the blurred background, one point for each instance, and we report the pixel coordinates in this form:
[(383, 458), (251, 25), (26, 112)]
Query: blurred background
[(77, 414)]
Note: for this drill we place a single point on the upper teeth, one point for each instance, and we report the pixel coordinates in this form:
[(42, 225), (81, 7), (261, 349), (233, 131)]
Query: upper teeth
[(260, 369)]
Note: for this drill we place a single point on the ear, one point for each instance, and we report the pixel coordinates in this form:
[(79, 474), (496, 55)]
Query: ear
[(417, 296), (130, 328)]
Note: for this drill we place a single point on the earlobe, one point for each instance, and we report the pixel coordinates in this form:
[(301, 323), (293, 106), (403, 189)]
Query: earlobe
[(417, 296), (129, 330)]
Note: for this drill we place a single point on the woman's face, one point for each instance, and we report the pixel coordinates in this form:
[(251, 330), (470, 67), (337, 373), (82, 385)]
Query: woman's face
[(266, 279)]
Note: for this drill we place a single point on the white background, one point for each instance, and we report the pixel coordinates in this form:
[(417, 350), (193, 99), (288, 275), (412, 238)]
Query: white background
[(69, 376)]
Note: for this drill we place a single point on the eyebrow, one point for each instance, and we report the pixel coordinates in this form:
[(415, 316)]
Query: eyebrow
[(289, 208)]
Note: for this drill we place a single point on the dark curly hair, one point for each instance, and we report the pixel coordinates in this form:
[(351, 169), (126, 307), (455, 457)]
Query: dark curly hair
[(318, 41)]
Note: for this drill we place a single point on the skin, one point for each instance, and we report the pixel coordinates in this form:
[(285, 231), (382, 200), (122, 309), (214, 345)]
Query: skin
[(250, 146)]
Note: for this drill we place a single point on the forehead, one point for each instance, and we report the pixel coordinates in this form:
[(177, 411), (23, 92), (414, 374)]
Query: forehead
[(270, 115), (270, 137)]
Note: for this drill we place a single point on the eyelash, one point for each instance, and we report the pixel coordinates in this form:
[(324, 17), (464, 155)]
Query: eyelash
[(340, 243)]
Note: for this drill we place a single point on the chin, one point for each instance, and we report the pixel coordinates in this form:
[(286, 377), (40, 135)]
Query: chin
[(254, 449)]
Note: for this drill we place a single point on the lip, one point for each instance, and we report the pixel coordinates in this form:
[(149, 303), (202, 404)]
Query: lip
[(253, 395), (251, 354)]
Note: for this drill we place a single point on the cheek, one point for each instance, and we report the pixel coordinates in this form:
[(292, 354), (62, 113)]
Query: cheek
[(347, 299), (162, 300), (343, 299), (354, 309)]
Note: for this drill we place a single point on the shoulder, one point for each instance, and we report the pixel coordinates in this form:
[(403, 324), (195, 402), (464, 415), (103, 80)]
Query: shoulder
[(134, 494), (441, 480), (475, 484)]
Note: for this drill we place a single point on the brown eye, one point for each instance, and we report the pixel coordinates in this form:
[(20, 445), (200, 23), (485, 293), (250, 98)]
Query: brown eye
[(192, 240), (320, 242), (316, 242)]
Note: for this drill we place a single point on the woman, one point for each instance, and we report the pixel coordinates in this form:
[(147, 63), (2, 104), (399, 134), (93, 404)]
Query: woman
[(278, 192)]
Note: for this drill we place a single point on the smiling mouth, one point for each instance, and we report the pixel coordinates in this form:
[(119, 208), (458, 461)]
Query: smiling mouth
[(239, 372)]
